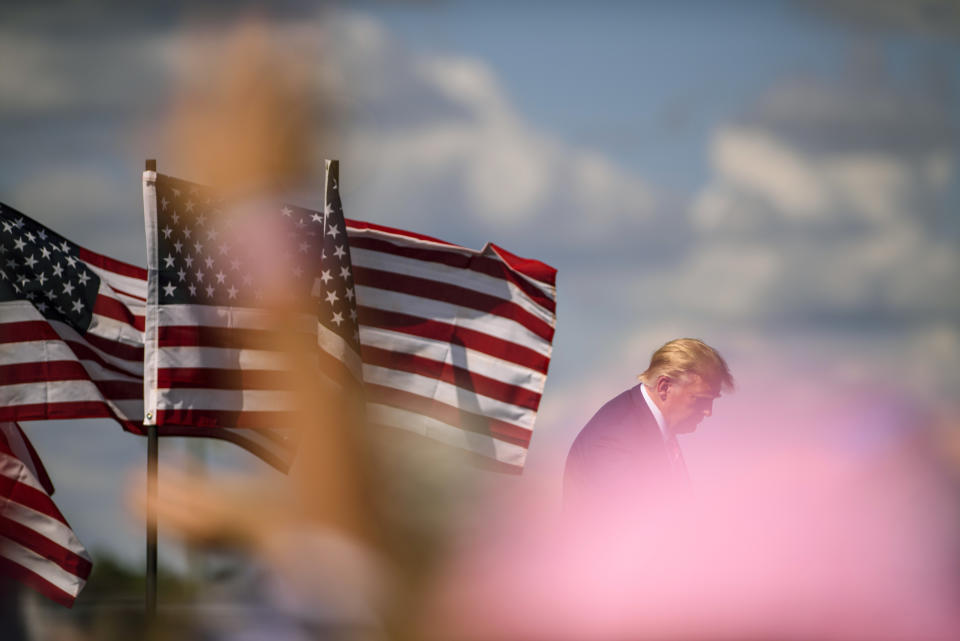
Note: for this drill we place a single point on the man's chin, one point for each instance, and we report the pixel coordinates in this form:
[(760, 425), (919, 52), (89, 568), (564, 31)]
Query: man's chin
[(688, 428)]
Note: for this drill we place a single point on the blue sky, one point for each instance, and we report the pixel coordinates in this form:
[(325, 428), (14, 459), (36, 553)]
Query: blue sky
[(778, 180)]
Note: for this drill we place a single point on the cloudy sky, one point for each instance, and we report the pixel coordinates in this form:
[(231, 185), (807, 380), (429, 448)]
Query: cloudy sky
[(779, 179)]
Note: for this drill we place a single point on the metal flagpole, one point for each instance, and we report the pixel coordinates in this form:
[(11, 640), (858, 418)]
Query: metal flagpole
[(151, 585), (151, 522)]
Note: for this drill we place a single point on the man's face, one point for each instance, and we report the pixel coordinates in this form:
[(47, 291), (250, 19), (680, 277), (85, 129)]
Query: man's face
[(686, 402)]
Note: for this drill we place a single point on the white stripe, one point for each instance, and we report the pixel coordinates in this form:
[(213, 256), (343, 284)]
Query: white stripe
[(122, 282), (14, 468), (41, 566), (403, 238), (136, 306), (98, 372), (18, 311), (449, 434), (494, 326), (48, 392), (18, 445), (444, 352), (66, 392), (53, 349), (224, 400), (115, 330), (488, 251), (68, 333), (221, 358), (47, 526), (443, 392), (229, 317), (339, 349), (27, 352), (466, 278)]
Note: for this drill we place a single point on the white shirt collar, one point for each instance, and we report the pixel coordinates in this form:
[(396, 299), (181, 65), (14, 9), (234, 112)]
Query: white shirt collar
[(657, 414)]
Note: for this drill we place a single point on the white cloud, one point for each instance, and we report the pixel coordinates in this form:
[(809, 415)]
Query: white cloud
[(475, 157), (759, 174)]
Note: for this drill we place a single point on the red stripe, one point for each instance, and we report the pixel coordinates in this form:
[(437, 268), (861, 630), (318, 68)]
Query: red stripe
[(41, 471), (459, 260), (230, 338), (27, 331), (37, 500), (270, 434), (359, 224), (22, 331), (453, 294), (224, 419), (462, 377), (55, 371), (85, 353), (528, 266), (40, 372), (56, 411), (112, 308), (111, 264), (35, 581), (455, 335), (114, 348), (128, 294), (33, 540), (211, 378), (449, 414), (280, 457)]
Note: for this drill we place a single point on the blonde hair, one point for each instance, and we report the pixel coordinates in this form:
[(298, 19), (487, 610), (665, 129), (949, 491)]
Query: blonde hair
[(683, 356)]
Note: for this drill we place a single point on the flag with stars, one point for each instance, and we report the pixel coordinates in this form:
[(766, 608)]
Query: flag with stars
[(71, 328), (212, 364)]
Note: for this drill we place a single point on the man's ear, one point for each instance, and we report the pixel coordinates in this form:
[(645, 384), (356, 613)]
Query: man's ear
[(663, 386)]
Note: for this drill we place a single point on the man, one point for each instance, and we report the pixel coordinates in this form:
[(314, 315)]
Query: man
[(628, 451)]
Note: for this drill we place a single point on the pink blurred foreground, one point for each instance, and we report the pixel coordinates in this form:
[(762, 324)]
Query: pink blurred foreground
[(805, 540)]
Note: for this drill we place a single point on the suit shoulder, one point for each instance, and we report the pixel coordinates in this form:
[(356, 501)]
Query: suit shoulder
[(610, 419)]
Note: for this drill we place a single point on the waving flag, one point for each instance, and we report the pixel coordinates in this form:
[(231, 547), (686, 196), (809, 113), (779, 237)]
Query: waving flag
[(455, 342), (37, 546), (213, 362), (71, 328)]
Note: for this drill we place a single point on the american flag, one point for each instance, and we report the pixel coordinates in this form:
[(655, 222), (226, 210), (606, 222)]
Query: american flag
[(212, 362), (37, 546), (71, 328), (455, 342)]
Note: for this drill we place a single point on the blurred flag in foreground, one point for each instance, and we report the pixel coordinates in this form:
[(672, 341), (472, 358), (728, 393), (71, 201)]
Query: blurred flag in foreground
[(37, 546)]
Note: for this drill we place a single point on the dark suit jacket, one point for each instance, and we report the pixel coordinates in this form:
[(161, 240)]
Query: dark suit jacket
[(619, 456)]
